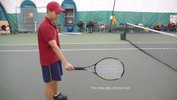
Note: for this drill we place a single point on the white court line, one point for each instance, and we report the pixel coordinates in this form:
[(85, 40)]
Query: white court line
[(18, 44), (153, 42), (67, 44), (159, 48), (19, 50), (101, 43), (98, 49), (98, 43), (111, 49)]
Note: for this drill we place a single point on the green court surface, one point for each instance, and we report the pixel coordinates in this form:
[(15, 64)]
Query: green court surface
[(31, 38)]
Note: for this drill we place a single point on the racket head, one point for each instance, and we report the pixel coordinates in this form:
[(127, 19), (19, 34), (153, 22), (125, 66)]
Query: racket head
[(109, 68)]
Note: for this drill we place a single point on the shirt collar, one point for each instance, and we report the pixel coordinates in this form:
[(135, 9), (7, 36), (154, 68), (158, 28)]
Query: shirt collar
[(50, 21)]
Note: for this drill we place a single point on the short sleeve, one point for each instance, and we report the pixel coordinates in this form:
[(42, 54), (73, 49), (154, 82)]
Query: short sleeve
[(48, 33)]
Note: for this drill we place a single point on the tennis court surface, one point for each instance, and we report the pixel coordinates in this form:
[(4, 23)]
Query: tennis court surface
[(145, 78)]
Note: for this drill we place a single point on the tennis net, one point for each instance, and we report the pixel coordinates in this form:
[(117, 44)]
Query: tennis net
[(162, 46)]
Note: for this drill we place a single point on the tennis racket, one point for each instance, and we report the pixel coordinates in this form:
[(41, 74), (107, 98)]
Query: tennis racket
[(108, 68)]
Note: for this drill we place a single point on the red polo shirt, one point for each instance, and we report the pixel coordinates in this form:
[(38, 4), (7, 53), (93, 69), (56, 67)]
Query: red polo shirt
[(47, 31)]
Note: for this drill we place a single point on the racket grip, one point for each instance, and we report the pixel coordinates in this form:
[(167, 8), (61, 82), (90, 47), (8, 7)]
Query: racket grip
[(78, 68)]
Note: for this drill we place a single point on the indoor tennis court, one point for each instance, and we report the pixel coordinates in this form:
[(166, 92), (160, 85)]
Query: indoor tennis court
[(141, 34)]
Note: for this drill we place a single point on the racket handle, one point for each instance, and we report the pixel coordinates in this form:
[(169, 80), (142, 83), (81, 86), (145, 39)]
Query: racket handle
[(78, 68)]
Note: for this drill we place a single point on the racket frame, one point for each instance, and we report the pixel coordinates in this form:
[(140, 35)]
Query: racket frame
[(105, 78), (94, 67)]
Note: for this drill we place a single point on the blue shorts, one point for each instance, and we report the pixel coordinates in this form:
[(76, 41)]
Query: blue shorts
[(53, 72)]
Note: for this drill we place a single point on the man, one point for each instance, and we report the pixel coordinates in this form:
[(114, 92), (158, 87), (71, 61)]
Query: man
[(50, 54)]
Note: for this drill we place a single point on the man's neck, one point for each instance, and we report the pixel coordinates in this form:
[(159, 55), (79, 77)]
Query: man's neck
[(49, 17)]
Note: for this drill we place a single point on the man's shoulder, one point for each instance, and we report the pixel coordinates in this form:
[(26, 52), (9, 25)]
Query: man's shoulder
[(44, 24)]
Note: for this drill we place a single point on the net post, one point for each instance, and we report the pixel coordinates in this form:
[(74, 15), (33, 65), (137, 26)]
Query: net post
[(35, 26)]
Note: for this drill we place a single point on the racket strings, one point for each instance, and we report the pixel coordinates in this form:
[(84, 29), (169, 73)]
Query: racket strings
[(109, 69)]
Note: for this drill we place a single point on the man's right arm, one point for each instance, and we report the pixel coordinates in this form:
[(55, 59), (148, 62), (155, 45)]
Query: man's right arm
[(60, 55)]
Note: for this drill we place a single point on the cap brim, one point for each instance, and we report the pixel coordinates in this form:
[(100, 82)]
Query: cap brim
[(59, 10)]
